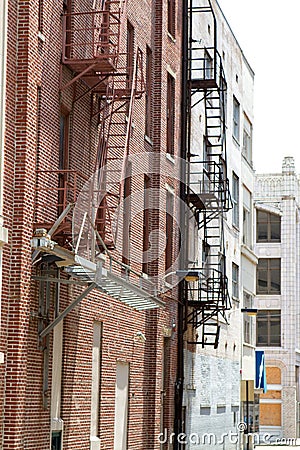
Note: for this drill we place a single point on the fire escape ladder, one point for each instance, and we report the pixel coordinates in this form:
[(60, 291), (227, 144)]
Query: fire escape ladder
[(113, 149), (208, 187)]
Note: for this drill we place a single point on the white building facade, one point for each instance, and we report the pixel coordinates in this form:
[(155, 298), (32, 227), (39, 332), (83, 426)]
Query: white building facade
[(277, 246), (215, 374)]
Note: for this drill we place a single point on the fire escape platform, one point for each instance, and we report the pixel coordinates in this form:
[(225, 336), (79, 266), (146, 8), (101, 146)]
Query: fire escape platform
[(120, 287), (101, 64), (200, 83)]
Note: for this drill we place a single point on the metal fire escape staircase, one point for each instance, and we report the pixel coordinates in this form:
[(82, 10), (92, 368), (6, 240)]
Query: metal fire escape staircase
[(91, 50), (208, 187)]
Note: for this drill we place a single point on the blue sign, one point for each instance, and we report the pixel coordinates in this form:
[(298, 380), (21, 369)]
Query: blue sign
[(260, 371)]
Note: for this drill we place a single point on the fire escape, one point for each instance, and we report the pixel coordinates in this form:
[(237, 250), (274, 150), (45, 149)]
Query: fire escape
[(208, 188), (99, 60)]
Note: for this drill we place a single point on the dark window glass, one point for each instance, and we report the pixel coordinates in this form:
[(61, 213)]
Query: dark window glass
[(170, 114), (268, 227), (236, 119), (235, 199), (235, 281), (268, 330), (148, 116), (171, 17), (169, 230), (268, 276), (146, 227)]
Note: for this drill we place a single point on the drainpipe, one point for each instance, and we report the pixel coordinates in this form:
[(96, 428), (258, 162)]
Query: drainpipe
[(3, 53), (178, 424)]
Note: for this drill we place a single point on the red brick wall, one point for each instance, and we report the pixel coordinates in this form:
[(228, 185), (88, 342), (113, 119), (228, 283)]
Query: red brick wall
[(32, 64)]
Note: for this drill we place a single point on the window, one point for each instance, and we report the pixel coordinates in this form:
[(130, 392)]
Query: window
[(170, 113), (40, 16), (247, 139), (169, 230), (236, 119), (146, 229), (63, 160), (268, 328), (171, 17), (127, 215), (96, 378), (68, 25), (130, 57), (148, 118), (235, 200), (235, 281), (208, 66), (268, 276), (248, 320), (247, 217), (268, 227)]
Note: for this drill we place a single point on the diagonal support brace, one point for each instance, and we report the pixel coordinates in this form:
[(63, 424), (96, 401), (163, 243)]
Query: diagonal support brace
[(69, 308)]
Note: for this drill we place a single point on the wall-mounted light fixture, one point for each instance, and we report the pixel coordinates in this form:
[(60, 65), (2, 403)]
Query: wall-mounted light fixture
[(249, 311)]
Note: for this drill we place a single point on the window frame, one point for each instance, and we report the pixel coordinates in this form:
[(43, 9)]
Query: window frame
[(247, 139), (148, 93), (236, 119), (169, 229), (268, 269), (269, 227), (170, 113), (146, 223), (247, 237), (235, 200), (268, 316), (235, 281), (171, 17)]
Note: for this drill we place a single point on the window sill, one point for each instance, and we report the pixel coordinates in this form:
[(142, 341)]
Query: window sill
[(41, 37), (236, 141), (170, 158), (148, 140), (235, 227), (269, 347), (268, 294), (249, 163), (246, 344), (171, 37)]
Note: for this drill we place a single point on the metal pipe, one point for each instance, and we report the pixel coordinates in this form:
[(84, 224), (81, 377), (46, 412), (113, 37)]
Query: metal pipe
[(178, 419)]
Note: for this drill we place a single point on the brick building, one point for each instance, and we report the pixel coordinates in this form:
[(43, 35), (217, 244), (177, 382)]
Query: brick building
[(277, 297), (88, 309)]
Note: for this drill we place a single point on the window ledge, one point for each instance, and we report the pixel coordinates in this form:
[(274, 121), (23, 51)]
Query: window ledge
[(170, 158), (171, 37), (148, 139), (249, 254), (246, 344), (41, 36), (235, 227), (236, 141)]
